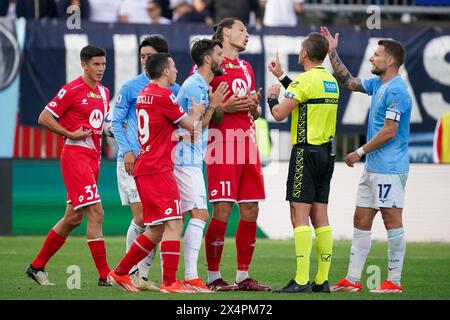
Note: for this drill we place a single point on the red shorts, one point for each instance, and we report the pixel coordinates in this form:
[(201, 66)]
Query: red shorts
[(80, 168), (234, 172), (160, 197)]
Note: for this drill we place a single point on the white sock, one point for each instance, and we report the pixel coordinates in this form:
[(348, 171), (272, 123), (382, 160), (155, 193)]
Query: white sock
[(145, 264), (396, 254), (192, 242), (134, 231), (361, 244), (241, 275), (213, 276)]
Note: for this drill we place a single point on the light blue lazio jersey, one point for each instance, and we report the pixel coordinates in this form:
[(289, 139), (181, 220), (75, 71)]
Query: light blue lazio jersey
[(390, 100), (124, 122), (191, 154)]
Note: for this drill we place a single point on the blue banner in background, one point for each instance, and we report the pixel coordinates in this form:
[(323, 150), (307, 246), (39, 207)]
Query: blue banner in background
[(11, 41), (51, 59)]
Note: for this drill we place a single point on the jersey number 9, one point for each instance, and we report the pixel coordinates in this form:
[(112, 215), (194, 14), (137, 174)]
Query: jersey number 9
[(143, 126)]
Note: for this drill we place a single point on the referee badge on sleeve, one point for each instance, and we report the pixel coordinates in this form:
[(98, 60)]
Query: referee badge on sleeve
[(289, 95)]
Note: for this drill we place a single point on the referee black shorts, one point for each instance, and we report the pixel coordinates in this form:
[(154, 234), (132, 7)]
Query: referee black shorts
[(310, 171)]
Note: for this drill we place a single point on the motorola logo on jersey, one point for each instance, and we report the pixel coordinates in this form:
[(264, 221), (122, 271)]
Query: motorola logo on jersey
[(239, 87), (96, 119), (9, 55)]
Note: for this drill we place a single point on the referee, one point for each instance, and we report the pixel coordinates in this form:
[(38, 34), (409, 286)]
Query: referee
[(312, 99)]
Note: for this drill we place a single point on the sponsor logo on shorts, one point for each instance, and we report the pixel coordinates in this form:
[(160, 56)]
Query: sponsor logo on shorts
[(52, 104), (214, 193), (81, 198), (168, 211)]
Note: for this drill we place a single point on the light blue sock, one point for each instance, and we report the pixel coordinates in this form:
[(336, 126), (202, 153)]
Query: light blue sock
[(396, 254)]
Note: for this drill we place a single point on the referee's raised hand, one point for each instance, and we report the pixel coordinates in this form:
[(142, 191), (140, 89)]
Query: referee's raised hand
[(275, 66)]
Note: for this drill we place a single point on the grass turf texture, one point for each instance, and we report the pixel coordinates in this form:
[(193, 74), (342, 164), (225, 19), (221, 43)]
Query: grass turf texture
[(425, 268)]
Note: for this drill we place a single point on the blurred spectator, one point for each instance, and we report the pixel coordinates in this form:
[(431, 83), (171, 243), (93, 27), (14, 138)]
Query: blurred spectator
[(216, 10), (441, 143), (154, 13), (4, 5), (281, 13), (36, 9), (166, 11), (8, 8), (199, 5), (104, 10), (62, 6), (184, 11), (133, 11)]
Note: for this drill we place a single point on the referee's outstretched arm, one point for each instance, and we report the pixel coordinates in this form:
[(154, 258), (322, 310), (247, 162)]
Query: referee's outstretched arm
[(280, 111)]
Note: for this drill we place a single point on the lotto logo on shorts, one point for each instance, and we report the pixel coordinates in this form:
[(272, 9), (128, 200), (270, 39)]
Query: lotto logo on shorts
[(214, 193), (168, 211)]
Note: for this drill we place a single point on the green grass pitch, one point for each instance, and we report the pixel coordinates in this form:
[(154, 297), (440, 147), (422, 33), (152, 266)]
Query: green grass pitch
[(425, 272)]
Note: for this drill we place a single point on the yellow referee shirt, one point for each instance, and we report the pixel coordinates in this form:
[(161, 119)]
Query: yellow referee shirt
[(314, 120)]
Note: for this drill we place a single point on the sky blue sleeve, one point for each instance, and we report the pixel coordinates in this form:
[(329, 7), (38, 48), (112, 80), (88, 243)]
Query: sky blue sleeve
[(175, 88), (188, 91), (120, 114), (397, 102), (369, 84)]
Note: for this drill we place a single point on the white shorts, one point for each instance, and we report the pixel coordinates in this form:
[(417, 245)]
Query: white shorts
[(127, 186), (192, 187), (378, 190)]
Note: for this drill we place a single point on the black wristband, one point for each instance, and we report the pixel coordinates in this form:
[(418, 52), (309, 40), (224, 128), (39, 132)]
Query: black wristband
[(272, 103), (286, 81)]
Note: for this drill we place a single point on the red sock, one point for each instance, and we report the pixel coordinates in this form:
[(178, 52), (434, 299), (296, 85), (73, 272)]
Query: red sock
[(51, 245), (245, 243), (140, 248), (170, 252), (214, 239), (98, 252)]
